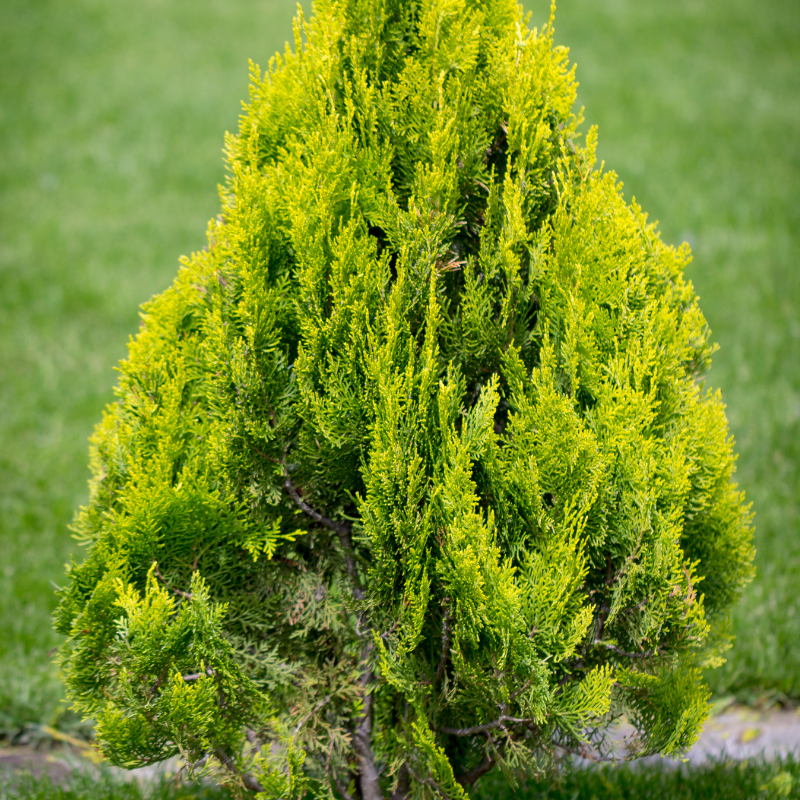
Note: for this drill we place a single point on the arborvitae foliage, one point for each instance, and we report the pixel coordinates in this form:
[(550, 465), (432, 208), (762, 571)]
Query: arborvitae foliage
[(412, 471)]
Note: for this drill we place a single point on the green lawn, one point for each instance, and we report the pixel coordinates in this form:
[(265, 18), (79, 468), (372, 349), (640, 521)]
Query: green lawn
[(104, 787), (111, 123), (751, 780)]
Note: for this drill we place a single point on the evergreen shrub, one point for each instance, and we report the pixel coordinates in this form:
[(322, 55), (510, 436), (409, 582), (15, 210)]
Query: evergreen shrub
[(412, 470)]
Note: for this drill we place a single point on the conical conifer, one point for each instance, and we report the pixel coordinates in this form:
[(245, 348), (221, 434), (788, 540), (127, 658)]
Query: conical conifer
[(412, 471)]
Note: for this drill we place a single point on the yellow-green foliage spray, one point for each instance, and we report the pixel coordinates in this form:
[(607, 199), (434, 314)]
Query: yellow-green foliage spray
[(412, 472)]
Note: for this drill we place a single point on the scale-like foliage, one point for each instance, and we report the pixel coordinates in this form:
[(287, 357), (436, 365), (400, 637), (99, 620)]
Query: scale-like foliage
[(412, 471)]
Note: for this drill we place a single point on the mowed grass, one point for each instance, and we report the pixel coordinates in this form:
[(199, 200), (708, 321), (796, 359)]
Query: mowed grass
[(103, 786), (111, 124), (748, 780), (720, 780)]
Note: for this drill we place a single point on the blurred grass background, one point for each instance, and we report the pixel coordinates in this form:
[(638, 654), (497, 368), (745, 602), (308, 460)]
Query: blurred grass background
[(112, 114), (747, 780)]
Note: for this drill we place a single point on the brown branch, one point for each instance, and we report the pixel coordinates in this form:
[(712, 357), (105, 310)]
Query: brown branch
[(518, 692), (629, 560), (386, 634), (163, 580), (690, 594), (341, 789), (346, 542), (595, 758), (318, 707), (248, 780), (470, 776), (572, 668), (601, 621), (337, 527), (199, 764), (639, 606), (427, 782), (362, 736), (605, 608), (341, 529), (445, 647), (252, 737), (488, 726), (401, 792), (288, 562), (627, 654)]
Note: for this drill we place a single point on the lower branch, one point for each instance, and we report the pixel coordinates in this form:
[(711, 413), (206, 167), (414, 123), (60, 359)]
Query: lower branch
[(248, 780), (627, 654), (184, 595), (470, 776), (498, 723), (340, 787), (362, 736), (401, 792), (341, 529), (583, 752), (445, 648)]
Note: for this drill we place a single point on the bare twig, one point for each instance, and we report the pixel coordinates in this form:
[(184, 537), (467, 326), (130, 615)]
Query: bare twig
[(252, 737), (601, 621), (248, 780), (341, 789), (639, 606), (289, 562), (445, 647), (341, 529), (337, 527), (199, 764), (627, 654), (163, 580), (401, 791), (596, 758), (362, 736), (318, 707), (630, 559), (386, 634), (605, 608), (518, 692), (488, 726), (690, 594), (428, 782), (470, 776)]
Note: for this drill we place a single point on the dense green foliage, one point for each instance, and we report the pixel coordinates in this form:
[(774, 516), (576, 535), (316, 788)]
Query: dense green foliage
[(676, 126), (412, 470)]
